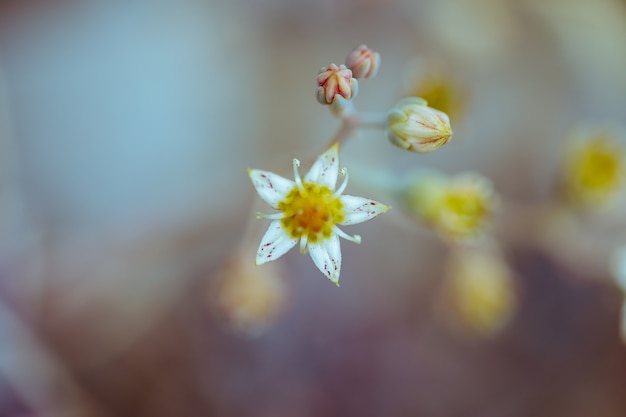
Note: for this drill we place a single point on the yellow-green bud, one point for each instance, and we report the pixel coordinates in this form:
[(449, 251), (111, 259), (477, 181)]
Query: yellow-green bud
[(414, 126)]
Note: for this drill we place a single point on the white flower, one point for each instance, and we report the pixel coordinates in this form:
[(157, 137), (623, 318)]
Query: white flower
[(310, 211)]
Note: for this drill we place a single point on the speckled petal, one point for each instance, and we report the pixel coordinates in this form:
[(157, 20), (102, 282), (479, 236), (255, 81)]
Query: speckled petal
[(275, 243), (271, 187), (327, 257), (325, 170), (359, 209)]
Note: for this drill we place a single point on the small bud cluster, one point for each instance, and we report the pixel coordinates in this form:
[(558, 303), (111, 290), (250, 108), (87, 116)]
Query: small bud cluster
[(411, 124), (337, 84)]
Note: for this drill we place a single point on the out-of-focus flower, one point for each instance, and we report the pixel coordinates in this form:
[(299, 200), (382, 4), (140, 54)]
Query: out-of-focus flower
[(459, 207), (414, 126), (363, 62), (335, 81), (440, 90), (594, 168), (310, 211), (478, 294), (248, 298)]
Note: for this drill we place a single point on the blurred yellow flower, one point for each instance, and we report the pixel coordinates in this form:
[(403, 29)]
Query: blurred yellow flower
[(478, 293), (441, 91), (593, 170), (248, 298), (459, 207)]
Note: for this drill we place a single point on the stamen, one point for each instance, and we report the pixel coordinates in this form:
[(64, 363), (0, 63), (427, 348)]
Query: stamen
[(273, 216), (296, 176), (303, 241), (343, 185), (341, 233)]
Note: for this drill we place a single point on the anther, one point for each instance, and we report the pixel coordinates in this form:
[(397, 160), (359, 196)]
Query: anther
[(303, 241), (341, 233), (296, 175), (273, 216), (343, 185)]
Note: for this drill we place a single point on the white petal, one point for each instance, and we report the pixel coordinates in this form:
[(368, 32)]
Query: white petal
[(359, 209), (275, 243), (327, 257), (325, 170), (271, 187)]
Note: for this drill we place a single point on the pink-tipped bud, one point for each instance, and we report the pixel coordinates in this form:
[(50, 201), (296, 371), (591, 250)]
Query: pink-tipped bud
[(334, 81), (363, 62)]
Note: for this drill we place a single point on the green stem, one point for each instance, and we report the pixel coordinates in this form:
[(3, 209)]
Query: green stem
[(372, 120)]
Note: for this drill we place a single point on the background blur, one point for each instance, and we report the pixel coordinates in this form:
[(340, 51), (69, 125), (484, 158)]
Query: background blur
[(125, 134)]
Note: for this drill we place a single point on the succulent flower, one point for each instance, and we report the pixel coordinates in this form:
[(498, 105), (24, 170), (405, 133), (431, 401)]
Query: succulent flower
[(310, 210)]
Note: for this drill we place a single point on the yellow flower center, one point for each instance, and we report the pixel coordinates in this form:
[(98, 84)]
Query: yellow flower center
[(312, 212), (596, 170), (464, 211)]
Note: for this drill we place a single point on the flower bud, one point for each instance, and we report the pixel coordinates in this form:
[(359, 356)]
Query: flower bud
[(334, 81), (363, 62), (414, 126)]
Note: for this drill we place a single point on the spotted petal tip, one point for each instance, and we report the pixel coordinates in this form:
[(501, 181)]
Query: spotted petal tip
[(275, 243), (325, 169), (359, 209), (272, 188), (326, 256)]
